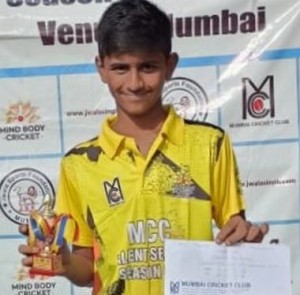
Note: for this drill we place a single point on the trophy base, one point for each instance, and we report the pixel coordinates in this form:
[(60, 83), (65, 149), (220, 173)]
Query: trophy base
[(48, 265)]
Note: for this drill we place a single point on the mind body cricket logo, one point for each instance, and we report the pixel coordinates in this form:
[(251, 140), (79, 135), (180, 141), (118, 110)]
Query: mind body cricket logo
[(259, 104), (22, 112), (21, 121), (187, 97), (24, 190)]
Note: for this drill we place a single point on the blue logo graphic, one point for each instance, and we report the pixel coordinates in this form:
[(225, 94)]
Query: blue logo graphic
[(174, 287)]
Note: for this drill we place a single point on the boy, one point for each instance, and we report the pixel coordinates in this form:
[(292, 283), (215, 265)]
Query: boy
[(149, 175)]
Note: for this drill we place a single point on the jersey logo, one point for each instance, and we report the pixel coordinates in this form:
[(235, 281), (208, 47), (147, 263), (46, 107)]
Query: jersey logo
[(183, 185), (113, 192)]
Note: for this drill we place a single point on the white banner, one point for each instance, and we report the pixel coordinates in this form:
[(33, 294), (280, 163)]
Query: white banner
[(239, 68)]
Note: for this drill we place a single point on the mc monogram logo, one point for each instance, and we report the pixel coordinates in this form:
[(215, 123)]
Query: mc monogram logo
[(258, 101), (113, 192)]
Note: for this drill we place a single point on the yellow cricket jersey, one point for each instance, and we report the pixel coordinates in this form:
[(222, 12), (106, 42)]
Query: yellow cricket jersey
[(130, 204)]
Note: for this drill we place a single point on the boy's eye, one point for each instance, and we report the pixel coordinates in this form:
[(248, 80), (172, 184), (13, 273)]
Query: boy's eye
[(123, 68), (119, 68), (149, 68)]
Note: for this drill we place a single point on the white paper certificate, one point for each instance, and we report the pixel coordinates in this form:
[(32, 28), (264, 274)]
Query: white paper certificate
[(205, 268)]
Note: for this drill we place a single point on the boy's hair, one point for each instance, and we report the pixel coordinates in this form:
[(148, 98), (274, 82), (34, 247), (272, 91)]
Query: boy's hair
[(133, 25)]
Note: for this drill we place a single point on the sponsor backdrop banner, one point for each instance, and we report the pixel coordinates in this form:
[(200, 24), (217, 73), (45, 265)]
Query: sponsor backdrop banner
[(239, 68)]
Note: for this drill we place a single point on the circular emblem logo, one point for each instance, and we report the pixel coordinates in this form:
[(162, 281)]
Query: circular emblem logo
[(187, 97), (258, 106), (22, 191)]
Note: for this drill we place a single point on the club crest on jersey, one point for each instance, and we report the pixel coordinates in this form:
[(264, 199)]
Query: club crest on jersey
[(113, 192)]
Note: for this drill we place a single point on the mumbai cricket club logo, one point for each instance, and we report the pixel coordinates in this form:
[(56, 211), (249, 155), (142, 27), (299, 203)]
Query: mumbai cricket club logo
[(258, 101), (187, 97), (21, 112), (174, 287), (113, 192), (22, 191)]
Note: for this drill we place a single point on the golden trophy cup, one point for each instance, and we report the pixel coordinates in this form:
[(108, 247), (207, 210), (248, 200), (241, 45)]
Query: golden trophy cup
[(46, 231)]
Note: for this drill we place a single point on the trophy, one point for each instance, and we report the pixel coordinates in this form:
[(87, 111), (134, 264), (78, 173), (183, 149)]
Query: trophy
[(46, 231)]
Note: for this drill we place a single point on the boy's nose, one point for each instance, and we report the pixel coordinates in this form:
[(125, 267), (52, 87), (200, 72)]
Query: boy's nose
[(136, 81)]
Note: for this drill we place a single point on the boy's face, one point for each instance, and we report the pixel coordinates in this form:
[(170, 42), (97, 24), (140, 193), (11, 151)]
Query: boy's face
[(136, 80)]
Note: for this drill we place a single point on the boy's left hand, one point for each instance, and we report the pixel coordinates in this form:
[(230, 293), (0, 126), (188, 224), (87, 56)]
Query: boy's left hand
[(237, 229)]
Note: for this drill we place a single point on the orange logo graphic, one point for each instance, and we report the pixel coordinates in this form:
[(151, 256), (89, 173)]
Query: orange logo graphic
[(22, 112)]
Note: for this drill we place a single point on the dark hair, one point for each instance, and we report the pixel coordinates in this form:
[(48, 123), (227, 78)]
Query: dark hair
[(130, 25)]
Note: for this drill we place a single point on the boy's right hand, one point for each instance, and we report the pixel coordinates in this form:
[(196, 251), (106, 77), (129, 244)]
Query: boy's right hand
[(28, 251), (78, 265)]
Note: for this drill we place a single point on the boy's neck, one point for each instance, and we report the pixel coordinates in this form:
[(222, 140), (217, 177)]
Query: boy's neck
[(135, 126), (143, 129)]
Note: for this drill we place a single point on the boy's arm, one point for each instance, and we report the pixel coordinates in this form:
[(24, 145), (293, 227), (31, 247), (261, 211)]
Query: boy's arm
[(78, 265), (228, 201)]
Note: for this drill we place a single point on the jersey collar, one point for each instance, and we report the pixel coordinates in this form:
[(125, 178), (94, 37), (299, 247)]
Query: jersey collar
[(172, 129), (112, 142)]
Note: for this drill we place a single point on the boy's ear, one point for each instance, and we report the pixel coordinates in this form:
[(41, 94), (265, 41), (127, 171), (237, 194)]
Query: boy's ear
[(100, 68), (171, 64)]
